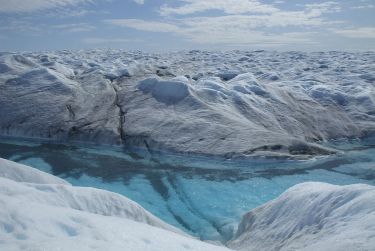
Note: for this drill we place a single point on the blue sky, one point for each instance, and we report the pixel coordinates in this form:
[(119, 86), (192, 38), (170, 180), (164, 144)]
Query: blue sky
[(164, 25)]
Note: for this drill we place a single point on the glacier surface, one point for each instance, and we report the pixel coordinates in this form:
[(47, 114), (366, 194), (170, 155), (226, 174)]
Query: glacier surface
[(234, 103)]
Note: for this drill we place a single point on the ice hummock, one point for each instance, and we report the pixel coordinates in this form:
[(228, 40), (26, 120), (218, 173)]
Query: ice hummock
[(311, 216)]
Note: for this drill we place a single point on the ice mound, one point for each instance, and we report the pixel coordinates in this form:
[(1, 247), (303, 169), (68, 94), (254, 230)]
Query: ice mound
[(311, 216), (227, 75), (52, 64), (248, 84), (168, 92), (235, 103), (45, 214)]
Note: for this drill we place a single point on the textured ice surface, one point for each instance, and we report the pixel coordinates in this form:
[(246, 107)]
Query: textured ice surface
[(41, 212), (311, 216), (233, 103), (203, 196)]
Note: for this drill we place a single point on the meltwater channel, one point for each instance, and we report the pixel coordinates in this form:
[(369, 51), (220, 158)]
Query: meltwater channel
[(203, 196)]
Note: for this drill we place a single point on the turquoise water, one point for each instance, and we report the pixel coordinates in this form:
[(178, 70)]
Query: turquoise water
[(203, 196)]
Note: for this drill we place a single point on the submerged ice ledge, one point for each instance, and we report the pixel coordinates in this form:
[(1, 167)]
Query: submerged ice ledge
[(40, 211), (217, 103)]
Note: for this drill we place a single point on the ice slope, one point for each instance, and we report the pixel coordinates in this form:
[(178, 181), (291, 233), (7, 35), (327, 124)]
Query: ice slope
[(312, 216), (48, 215), (224, 103), (22, 173)]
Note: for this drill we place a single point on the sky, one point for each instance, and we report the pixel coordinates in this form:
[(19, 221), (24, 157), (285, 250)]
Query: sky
[(166, 25)]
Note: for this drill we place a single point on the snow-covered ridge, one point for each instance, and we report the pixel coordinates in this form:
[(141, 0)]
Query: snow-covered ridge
[(41, 212), (312, 216), (222, 103)]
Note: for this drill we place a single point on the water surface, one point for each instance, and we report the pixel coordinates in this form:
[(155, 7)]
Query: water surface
[(203, 196)]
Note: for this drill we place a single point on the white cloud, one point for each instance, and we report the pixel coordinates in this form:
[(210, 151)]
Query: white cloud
[(362, 32), (227, 6), (226, 23), (143, 25), (34, 5), (219, 30), (245, 22), (23, 26), (239, 29), (361, 7), (139, 1), (236, 28), (318, 9), (78, 27), (94, 40)]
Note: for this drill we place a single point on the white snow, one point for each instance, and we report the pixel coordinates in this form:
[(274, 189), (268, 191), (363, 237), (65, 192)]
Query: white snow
[(312, 216), (41, 212), (234, 103)]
